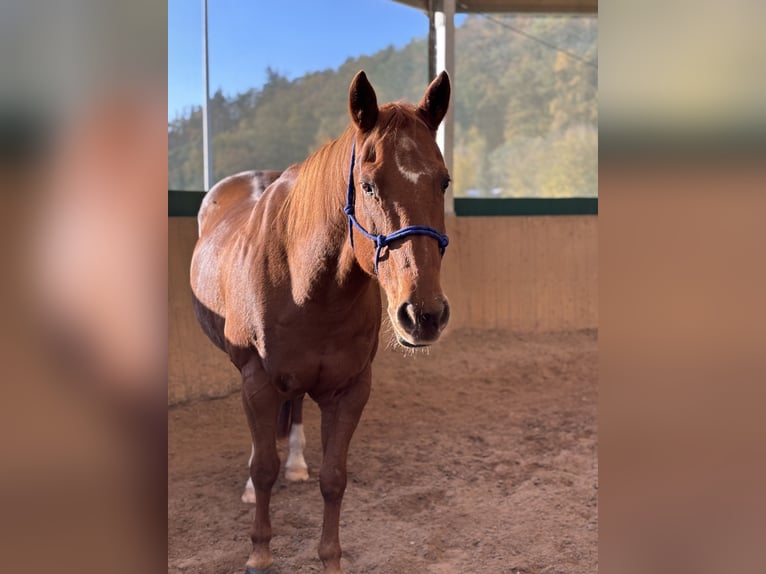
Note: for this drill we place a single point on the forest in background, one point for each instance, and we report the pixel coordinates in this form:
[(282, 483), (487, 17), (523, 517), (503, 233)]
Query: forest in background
[(525, 115)]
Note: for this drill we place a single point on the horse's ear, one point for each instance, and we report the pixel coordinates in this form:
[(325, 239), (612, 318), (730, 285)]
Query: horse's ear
[(362, 102), (433, 106)]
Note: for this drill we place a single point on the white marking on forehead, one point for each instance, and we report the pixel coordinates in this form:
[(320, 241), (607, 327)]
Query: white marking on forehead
[(406, 145)]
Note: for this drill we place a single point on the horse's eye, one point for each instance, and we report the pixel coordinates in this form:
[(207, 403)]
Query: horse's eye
[(445, 184), (368, 188)]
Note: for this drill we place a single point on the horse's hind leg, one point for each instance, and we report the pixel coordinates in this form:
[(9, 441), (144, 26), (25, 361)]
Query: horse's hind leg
[(261, 404), (248, 495), (295, 467)]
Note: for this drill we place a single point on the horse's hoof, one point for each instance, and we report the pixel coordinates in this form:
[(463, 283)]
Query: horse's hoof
[(296, 474), (249, 496)]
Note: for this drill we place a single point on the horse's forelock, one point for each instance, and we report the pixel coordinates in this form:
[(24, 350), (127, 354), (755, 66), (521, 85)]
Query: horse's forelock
[(396, 116)]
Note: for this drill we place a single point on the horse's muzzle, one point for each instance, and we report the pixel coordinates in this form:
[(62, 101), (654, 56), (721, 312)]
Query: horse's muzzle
[(419, 325)]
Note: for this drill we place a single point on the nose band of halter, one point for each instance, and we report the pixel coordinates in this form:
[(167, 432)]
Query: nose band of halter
[(382, 240)]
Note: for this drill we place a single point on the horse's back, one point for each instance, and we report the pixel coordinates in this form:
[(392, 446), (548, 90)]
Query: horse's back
[(224, 209), (235, 237), (240, 190)]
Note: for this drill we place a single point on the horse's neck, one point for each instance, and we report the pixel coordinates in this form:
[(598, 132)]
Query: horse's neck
[(320, 258)]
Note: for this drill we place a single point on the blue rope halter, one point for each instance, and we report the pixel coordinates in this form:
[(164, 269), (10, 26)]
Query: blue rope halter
[(382, 240)]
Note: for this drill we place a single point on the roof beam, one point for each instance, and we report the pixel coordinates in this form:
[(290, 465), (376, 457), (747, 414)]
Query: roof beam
[(509, 6)]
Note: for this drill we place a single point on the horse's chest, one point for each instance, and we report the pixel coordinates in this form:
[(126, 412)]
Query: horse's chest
[(310, 367)]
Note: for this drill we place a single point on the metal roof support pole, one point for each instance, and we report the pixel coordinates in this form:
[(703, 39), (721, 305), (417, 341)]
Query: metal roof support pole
[(207, 148), (431, 41), (444, 24)]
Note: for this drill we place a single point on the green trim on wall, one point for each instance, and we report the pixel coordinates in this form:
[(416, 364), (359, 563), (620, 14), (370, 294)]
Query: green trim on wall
[(509, 206), (186, 204)]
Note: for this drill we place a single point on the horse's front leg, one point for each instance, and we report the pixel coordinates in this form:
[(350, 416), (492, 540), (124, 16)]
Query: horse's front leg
[(261, 402), (295, 468), (340, 415)]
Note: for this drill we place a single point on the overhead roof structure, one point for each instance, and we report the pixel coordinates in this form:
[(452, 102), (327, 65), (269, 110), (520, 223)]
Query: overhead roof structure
[(539, 6)]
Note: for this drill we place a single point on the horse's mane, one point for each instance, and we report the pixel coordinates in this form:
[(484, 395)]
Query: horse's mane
[(313, 197)]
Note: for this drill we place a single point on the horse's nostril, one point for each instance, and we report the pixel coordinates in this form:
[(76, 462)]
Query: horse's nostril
[(429, 320), (406, 316), (444, 316)]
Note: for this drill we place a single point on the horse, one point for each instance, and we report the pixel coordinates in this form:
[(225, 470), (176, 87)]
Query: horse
[(287, 281)]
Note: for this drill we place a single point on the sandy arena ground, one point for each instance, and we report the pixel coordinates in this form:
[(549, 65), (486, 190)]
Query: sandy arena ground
[(479, 457)]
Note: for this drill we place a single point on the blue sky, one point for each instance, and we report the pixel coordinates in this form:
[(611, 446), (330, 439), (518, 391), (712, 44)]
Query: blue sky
[(293, 37)]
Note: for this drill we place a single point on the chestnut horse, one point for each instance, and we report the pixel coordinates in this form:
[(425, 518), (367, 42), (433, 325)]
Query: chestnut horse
[(286, 281)]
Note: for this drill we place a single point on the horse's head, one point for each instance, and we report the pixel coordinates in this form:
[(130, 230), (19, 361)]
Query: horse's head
[(399, 181)]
